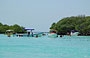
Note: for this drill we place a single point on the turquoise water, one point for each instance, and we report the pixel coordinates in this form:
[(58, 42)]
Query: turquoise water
[(44, 47)]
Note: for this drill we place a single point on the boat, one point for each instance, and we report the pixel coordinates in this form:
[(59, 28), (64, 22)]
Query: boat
[(28, 33), (52, 34), (74, 33), (9, 33)]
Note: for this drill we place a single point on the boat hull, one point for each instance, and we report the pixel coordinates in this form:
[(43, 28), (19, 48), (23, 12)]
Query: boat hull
[(52, 35), (74, 34)]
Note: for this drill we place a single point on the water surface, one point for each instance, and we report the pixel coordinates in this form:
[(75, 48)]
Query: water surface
[(44, 47)]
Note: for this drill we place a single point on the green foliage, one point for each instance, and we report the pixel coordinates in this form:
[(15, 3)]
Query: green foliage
[(79, 23), (53, 26), (15, 27)]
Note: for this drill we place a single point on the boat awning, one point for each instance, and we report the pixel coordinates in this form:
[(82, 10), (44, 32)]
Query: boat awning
[(9, 30), (29, 29)]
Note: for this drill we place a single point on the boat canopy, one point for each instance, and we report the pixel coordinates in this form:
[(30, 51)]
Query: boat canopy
[(9, 30), (29, 29), (74, 31)]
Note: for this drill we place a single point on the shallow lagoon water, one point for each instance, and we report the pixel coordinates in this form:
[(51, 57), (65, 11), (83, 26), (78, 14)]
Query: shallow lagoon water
[(44, 47)]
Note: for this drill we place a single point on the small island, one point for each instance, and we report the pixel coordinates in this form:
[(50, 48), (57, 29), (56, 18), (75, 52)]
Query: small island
[(79, 23), (15, 27)]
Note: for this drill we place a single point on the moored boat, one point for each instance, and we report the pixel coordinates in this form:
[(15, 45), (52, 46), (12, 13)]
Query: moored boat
[(9, 33), (52, 34), (74, 33)]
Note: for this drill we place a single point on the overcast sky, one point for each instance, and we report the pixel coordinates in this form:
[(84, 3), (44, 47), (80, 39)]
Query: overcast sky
[(40, 14)]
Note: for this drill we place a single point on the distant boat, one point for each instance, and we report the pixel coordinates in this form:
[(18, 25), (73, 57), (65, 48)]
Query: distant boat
[(74, 33), (9, 32), (52, 34), (28, 34)]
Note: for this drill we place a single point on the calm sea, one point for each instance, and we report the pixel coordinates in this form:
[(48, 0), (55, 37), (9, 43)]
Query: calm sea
[(44, 47)]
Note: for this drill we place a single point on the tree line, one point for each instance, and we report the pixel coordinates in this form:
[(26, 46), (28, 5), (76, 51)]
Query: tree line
[(78, 23), (15, 27)]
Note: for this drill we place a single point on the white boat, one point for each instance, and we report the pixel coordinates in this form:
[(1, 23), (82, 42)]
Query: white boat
[(73, 33), (52, 34)]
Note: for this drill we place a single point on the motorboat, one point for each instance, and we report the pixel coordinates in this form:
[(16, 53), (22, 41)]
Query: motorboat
[(9, 33), (52, 34), (74, 33)]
